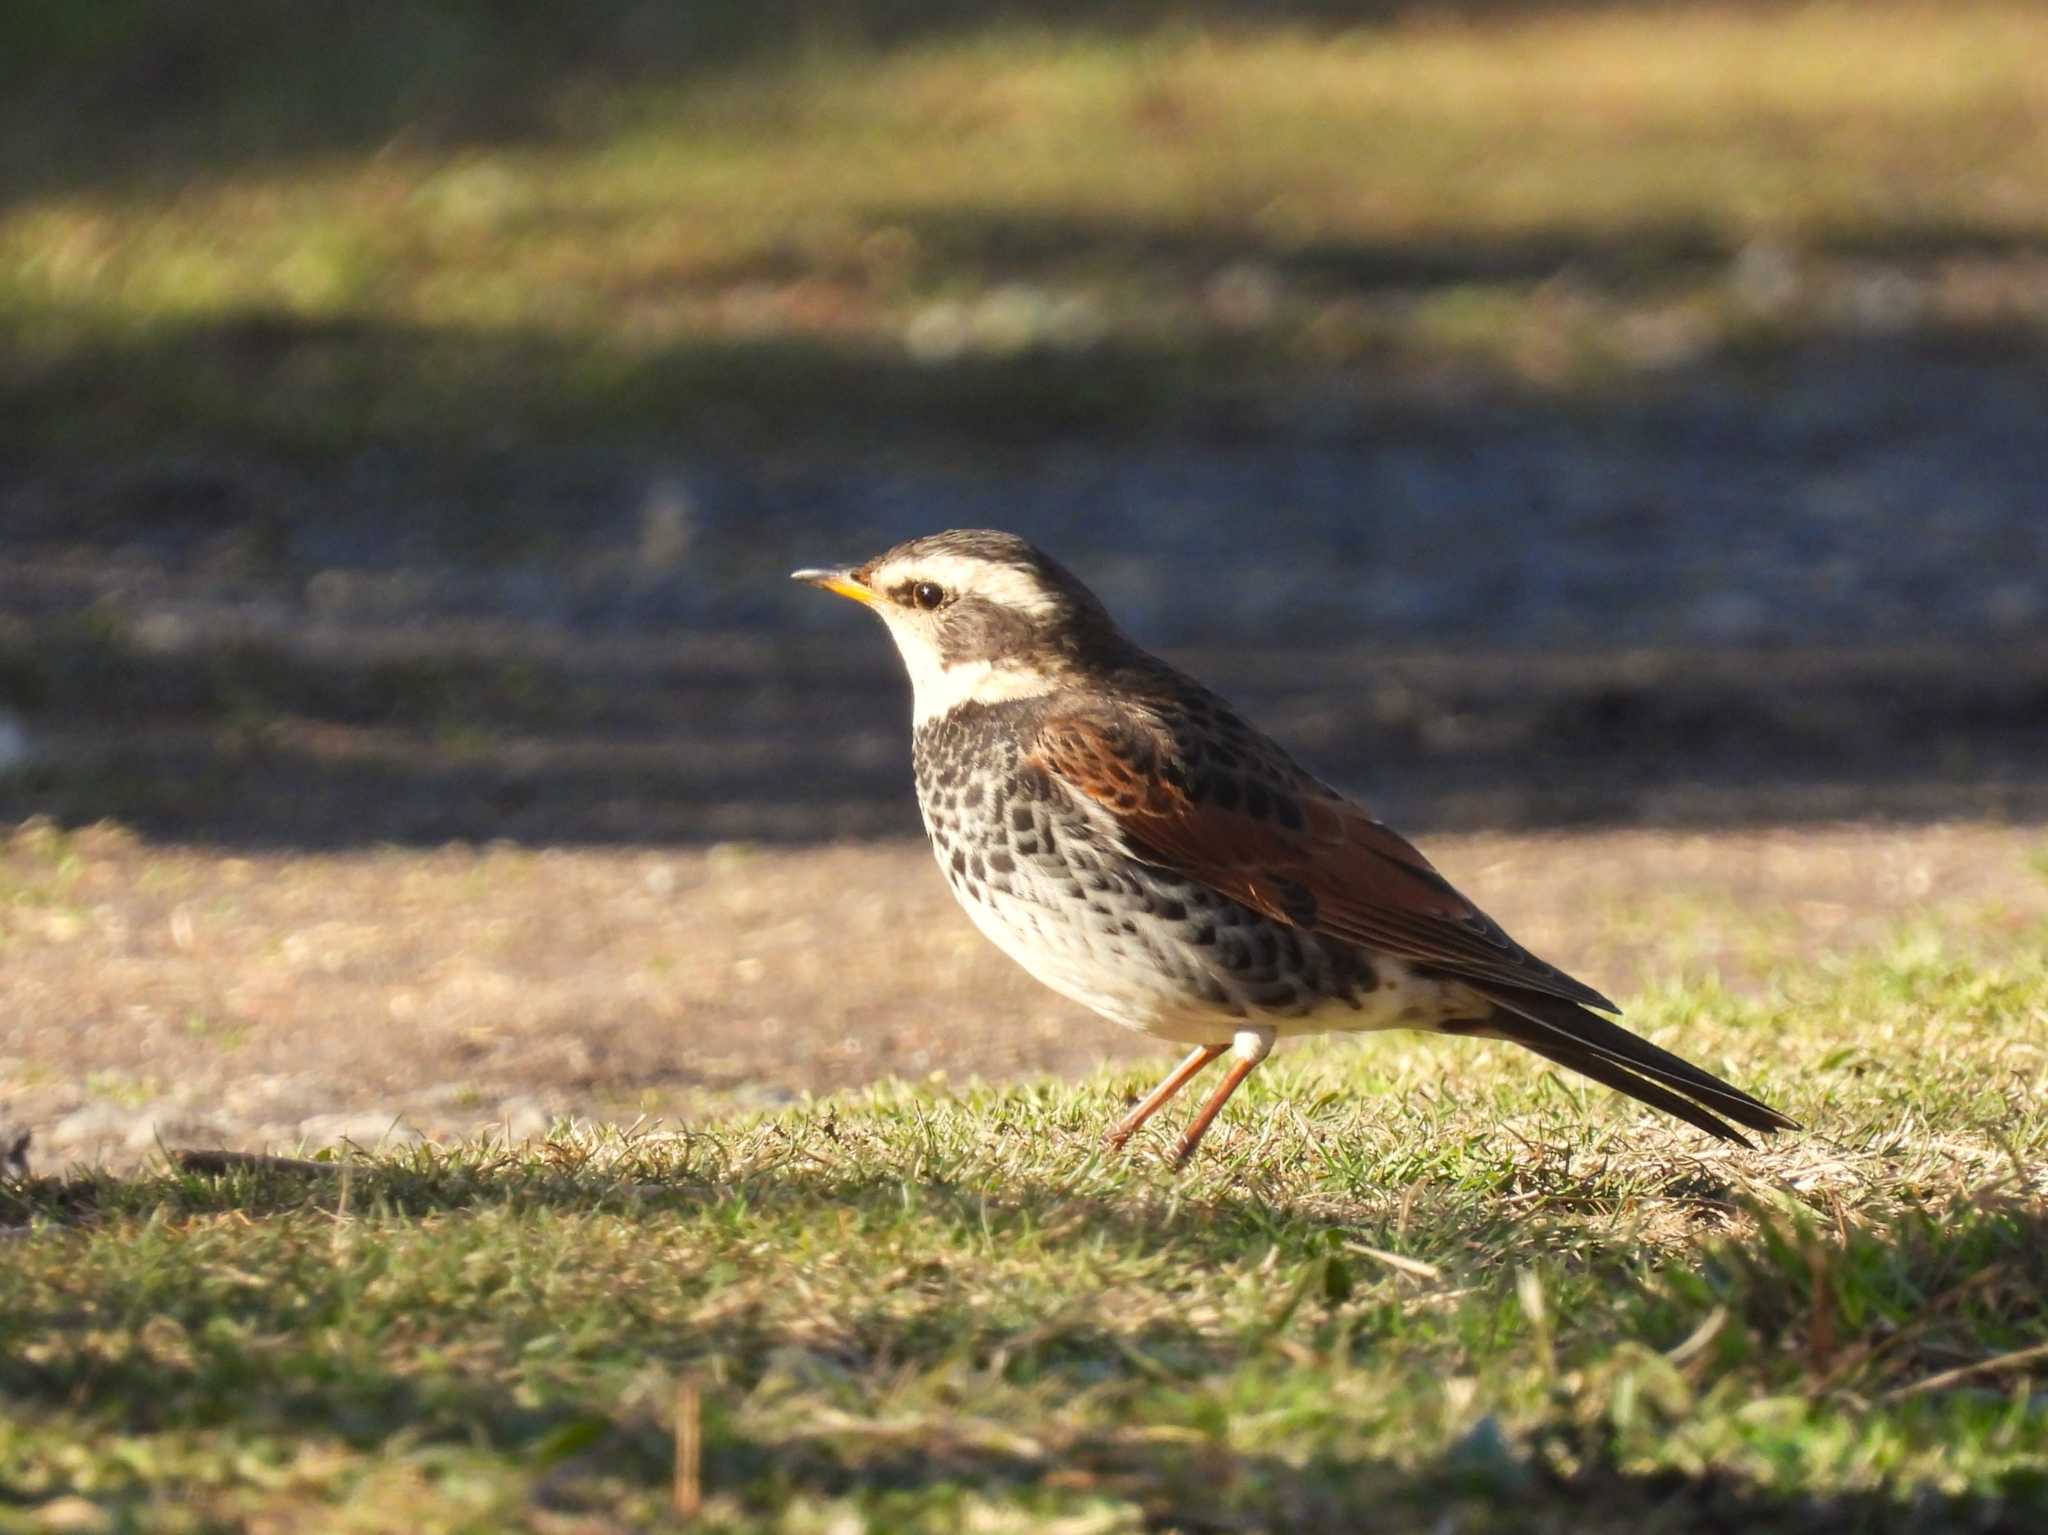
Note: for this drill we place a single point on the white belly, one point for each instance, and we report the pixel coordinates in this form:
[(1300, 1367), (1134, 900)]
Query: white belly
[(1140, 973)]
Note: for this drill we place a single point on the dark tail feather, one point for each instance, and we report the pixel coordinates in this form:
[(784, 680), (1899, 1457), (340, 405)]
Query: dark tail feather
[(1591, 1045), (1604, 1071)]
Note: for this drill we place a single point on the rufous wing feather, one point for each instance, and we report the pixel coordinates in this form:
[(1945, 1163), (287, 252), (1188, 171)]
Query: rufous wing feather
[(1232, 811)]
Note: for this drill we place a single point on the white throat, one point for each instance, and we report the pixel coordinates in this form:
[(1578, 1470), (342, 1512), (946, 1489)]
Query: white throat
[(937, 690)]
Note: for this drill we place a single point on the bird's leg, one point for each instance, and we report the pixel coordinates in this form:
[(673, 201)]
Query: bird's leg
[(1184, 1073), (1250, 1047)]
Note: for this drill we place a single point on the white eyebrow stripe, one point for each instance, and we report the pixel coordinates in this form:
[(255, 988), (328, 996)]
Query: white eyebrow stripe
[(1005, 585)]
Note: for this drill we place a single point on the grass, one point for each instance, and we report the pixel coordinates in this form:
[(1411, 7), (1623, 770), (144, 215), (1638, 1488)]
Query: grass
[(1412, 1284), (991, 233)]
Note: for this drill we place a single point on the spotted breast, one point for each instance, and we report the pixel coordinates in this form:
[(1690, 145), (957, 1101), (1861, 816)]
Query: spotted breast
[(1049, 884), (1133, 842)]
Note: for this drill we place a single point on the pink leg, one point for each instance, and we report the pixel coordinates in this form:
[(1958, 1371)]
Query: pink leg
[(1250, 1049), (1185, 1072)]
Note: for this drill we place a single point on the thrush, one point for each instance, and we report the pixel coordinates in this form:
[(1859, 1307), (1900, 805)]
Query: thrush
[(1123, 834)]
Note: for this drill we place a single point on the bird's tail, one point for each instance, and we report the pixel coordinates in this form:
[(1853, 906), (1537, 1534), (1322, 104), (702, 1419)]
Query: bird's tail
[(1595, 1047)]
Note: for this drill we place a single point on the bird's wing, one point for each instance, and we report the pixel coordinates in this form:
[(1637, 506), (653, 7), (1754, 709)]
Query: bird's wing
[(1236, 814)]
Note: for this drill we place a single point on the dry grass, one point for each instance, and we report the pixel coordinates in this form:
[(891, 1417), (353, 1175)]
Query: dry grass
[(1406, 1286), (1419, 1283), (1412, 1283), (1013, 230), (226, 999)]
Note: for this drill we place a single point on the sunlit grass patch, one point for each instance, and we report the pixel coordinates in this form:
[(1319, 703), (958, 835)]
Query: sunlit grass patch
[(1406, 1276), (960, 235)]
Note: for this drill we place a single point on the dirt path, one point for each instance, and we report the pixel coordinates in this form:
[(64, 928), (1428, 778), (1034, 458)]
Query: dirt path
[(158, 994)]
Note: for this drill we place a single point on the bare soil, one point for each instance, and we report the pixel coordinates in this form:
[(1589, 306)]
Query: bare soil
[(189, 997)]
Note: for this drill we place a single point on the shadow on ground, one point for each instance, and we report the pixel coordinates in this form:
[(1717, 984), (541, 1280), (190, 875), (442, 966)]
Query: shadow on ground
[(317, 390), (1796, 582), (1571, 1474), (148, 92), (806, 739), (1639, 258)]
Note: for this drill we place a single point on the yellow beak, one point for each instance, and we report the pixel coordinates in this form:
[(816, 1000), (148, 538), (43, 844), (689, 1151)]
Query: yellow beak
[(839, 579)]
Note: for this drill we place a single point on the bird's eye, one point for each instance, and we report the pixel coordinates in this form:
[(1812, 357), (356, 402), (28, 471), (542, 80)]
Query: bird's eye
[(927, 594)]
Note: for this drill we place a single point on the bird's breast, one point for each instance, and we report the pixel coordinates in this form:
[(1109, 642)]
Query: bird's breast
[(1047, 881)]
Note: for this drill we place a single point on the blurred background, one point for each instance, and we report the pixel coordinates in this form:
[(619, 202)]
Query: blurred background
[(1540, 413), (1626, 423)]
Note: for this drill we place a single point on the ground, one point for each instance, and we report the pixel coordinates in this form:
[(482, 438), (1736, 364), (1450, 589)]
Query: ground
[(1424, 1283), (251, 1000), (1605, 436)]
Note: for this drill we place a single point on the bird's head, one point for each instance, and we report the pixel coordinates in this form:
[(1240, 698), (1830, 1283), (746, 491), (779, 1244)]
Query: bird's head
[(979, 616)]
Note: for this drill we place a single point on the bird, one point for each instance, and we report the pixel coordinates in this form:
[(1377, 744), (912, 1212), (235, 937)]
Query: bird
[(1130, 840)]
